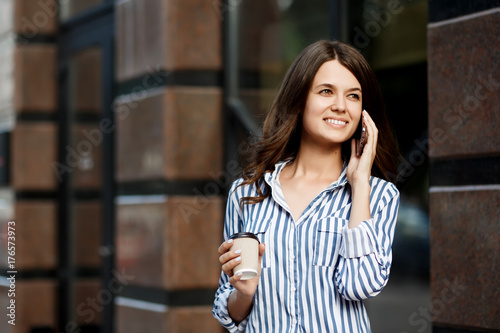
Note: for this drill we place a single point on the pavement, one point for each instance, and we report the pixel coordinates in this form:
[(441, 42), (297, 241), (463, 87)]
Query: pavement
[(401, 307)]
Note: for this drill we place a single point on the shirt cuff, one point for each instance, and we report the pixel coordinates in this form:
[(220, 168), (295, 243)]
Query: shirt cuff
[(359, 241), (221, 313)]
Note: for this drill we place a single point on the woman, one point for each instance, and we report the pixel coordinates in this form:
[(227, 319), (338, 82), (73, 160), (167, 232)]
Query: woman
[(324, 212)]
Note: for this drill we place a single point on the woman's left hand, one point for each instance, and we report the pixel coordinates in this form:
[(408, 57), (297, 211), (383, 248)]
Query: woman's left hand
[(359, 167)]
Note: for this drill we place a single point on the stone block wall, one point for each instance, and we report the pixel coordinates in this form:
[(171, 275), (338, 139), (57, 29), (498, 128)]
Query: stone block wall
[(28, 100), (464, 116), (169, 149)]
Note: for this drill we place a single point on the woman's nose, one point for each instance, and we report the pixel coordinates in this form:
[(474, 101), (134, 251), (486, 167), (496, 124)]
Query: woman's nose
[(338, 105)]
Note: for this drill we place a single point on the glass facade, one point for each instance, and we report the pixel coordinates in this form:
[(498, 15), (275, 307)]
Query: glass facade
[(86, 125), (71, 8)]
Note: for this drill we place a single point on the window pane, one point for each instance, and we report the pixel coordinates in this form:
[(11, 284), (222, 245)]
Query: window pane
[(271, 35), (84, 155), (71, 8), (85, 100)]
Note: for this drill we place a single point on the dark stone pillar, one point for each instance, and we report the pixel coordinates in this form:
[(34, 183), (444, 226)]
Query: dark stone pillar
[(464, 118)]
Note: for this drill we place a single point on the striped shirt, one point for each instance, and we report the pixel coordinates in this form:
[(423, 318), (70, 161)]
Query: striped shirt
[(315, 271)]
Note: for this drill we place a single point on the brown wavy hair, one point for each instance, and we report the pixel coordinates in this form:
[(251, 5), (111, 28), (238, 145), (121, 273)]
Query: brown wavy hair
[(283, 124)]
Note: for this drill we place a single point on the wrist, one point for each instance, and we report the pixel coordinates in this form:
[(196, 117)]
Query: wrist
[(242, 297), (239, 306), (361, 188)]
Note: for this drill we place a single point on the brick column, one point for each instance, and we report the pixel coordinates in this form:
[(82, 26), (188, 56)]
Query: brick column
[(464, 117), (169, 156), (29, 101)]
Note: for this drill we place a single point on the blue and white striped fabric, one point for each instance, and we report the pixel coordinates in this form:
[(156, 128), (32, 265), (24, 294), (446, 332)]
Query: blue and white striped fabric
[(316, 271)]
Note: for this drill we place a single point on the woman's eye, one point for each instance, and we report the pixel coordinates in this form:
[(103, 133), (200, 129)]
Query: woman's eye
[(355, 96), (325, 92)]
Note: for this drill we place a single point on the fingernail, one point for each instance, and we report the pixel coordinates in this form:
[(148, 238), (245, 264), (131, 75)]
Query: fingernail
[(240, 273), (230, 241), (237, 251), (237, 259)]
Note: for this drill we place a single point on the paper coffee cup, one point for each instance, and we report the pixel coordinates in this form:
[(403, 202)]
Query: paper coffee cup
[(248, 243)]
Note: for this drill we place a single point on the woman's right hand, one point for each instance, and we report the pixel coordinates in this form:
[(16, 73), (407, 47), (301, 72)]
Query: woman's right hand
[(230, 258)]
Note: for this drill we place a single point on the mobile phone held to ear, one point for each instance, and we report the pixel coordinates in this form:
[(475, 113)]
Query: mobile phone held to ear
[(362, 140)]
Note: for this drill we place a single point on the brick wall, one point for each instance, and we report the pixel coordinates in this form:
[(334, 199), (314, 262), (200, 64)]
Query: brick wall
[(464, 115), (169, 144), (29, 99)]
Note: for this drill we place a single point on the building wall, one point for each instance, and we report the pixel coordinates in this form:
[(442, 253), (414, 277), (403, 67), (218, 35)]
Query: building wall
[(169, 156), (28, 109), (464, 117), (169, 151)]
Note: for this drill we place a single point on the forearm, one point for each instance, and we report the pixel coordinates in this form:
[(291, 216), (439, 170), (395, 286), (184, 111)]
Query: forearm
[(239, 306), (360, 208)]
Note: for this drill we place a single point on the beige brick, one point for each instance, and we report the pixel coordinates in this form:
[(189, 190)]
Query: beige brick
[(193, 234), (140, 138), (140, 242), (36, 78), (36, 234), (32, 18), (176, 134), (171, 244), (33, 156), (193, 123), (35, 306), (192, 35), (140, 47)]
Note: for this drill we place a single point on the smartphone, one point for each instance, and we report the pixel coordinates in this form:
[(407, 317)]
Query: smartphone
[(362, 139)]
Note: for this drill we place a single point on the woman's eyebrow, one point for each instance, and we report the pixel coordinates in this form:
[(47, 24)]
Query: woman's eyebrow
[(331, 86)]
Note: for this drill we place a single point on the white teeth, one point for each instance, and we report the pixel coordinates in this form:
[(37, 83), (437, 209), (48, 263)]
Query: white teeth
[(336, 122)]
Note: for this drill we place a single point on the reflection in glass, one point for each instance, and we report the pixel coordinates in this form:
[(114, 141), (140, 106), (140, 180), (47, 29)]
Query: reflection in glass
[(70, 8), (271, 34), (85, 94), (84, 155)]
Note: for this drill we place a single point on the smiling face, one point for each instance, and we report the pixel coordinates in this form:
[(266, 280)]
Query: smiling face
[(334, 105)]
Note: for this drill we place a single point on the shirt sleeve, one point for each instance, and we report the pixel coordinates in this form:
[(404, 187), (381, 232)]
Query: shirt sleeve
[(232, 224), (366, 250)]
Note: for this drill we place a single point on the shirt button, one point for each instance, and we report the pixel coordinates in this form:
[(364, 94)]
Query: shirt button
[(292, 256), (293, 289)]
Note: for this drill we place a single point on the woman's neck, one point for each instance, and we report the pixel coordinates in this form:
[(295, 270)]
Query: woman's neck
[(317, 162)]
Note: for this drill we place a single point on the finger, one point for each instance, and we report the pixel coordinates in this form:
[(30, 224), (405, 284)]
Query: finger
[(235, 278), (262, 249), (228, 266), (368, 121), (371, 131), (229, 255), (224, 247)]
